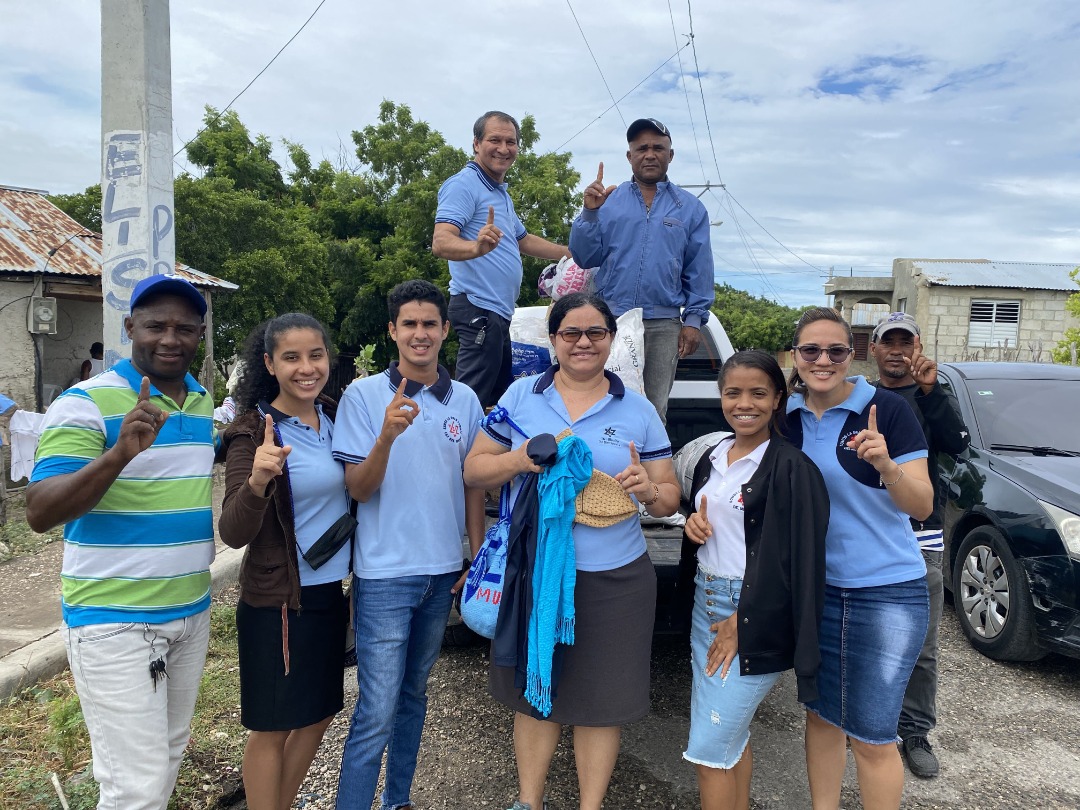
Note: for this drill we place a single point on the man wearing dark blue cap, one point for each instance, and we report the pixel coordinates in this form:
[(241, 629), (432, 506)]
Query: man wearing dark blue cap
[(125, 462), (649, 241)]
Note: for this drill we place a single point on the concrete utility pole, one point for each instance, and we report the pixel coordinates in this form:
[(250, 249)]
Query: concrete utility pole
[(138, 237)]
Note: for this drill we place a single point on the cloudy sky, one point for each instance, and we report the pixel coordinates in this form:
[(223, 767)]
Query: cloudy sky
[(847, 132)]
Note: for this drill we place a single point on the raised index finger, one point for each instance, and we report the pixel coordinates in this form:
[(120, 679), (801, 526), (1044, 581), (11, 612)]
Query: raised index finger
[(144, 390), (635, 458), (872, 423), (491, 215), (600, 174), (268, 431)]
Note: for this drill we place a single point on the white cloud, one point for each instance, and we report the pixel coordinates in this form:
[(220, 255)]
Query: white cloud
[(855, 131)]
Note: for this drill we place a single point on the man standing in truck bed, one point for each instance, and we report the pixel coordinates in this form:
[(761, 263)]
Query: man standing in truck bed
[(649, 241)]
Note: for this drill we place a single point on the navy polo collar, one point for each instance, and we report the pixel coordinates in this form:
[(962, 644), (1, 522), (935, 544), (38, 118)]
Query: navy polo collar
[(280, 416), (441, 388), (484, 177), (545, 380)]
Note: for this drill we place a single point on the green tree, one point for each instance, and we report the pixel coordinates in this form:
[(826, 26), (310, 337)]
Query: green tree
[(1069, 347), (223, 148), (752, 322), (83, 207)]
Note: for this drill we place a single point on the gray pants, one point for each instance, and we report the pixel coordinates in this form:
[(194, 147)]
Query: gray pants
[(919, 713), (661, 357)]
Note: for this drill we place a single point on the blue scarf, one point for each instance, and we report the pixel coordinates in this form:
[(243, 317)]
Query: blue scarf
[(551, 621)]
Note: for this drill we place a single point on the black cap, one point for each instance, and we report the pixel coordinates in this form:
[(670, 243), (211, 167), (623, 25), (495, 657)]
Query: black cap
[(636, 128), (168, 285)]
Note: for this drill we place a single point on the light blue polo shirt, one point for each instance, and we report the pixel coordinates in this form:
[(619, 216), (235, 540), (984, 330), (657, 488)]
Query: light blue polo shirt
[(607, 428), (414, 521), (869, 541), (317, 481), (491, 281)]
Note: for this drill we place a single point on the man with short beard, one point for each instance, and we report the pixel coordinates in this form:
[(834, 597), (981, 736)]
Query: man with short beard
[(905, 370), (649, 242)]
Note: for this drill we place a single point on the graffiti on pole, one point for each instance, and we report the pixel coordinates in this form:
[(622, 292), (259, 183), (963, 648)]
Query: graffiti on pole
[(137, 227)]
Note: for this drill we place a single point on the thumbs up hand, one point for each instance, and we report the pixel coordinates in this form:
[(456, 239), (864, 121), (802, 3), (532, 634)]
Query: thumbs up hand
[(698, 528)]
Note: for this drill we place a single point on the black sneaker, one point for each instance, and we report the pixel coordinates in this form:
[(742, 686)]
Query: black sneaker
[(920, 757)]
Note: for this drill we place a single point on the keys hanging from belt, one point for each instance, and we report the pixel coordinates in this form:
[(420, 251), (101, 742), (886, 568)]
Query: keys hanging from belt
[(157, 663)]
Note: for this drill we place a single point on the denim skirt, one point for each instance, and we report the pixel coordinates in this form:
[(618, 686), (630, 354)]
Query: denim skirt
[(720, 708), (313, 690), (870, 641)]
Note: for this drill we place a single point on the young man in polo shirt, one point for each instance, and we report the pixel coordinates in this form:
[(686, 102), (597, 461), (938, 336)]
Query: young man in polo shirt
[(125, 460), (403, 436), (479, 233)]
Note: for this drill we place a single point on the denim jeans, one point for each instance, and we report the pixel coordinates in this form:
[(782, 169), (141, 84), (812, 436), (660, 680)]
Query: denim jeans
[(138, 729), (399, 631), (919, 713), (661, 357)]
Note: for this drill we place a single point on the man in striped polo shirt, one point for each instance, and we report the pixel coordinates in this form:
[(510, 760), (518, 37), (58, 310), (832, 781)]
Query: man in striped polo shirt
[(125, 462)]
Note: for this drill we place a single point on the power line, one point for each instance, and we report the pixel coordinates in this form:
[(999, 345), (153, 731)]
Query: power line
[(785, 247), (704, 109), (257, 75), (624, 95), (595, 62), (686, 93)]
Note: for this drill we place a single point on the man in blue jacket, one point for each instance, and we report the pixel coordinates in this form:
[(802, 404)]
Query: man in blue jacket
[(649, 242)]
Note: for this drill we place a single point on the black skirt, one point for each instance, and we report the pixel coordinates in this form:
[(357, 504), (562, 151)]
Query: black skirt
[(313, 690), (605, 674)]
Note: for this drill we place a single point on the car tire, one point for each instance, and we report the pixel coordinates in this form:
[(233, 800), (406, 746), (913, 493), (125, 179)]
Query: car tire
[(993, 600)]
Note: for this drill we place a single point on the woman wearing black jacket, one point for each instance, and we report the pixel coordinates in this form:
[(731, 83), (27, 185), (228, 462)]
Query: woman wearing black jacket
[(761, 513)]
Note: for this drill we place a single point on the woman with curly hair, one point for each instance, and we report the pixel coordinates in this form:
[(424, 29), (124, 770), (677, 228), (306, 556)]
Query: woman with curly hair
[(283, 492)]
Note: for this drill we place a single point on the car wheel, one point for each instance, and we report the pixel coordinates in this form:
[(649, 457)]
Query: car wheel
[(993, 601)]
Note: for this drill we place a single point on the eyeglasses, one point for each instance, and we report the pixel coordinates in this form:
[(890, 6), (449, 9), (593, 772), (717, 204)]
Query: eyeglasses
[(593, 333), (837, 354)]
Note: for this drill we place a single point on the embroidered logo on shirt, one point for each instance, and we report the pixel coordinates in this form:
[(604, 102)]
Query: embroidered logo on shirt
[(736, 501), (452, 428), (610, 437), (847, 437)]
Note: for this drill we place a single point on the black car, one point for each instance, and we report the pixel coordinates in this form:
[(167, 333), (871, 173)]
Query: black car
[(1012, 515)]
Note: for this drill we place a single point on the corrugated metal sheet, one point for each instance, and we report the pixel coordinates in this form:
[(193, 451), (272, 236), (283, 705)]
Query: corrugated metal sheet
[(988, 273), (31, 226)]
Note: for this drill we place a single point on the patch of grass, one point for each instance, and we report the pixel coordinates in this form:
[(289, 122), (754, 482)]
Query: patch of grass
[(41, 732), (16, 538)]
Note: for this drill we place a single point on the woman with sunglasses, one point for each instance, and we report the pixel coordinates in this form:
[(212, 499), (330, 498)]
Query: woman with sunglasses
[(604, 678), (872, 453)]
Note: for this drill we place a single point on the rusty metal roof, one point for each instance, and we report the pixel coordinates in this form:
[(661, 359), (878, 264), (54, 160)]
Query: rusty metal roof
[(989, 273), (31, 227)]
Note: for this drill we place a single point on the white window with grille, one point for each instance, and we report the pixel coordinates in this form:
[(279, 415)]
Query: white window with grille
[(994, 323)]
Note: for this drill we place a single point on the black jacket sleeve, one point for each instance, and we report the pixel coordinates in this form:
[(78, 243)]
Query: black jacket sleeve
[(941, 414), (809, 522)]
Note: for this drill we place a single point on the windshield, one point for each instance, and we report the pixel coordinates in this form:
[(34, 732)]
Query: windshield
[(1033, 413)]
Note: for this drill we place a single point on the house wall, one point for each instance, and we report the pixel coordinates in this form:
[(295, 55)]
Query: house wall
[(17, 356), (944, 311), (78, 325), (904, 286)]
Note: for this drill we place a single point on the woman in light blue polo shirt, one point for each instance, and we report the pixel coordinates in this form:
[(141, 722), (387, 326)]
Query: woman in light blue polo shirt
[(871, 451), (283, 490), (604, 681)]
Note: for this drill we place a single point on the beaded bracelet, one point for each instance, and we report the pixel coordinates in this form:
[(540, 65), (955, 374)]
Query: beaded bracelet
[(655, 497)]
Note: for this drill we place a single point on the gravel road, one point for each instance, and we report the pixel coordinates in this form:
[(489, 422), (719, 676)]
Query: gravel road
[(1008, 737)]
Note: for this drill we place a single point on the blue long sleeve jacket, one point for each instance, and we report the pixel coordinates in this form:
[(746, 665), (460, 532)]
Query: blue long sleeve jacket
[(659, 259)]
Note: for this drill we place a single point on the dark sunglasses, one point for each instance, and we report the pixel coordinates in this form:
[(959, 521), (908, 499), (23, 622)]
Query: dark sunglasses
[(593, 333), (837, 354)]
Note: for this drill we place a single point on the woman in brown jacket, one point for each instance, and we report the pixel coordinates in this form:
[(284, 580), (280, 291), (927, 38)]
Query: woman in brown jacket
[(283, 492)]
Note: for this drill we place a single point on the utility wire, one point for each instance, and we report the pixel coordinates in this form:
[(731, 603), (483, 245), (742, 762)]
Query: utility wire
[(624, 95), (257, 75), (595, 62), (704, 108), (686, 92)]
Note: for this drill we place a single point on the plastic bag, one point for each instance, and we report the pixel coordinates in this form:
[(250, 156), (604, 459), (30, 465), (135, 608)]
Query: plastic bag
[(557, 280)]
